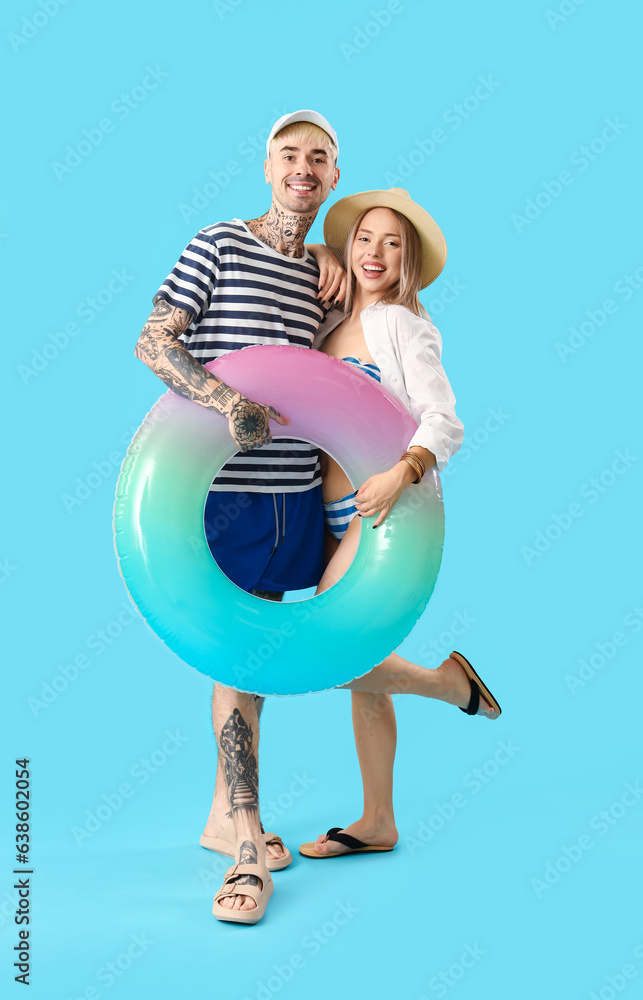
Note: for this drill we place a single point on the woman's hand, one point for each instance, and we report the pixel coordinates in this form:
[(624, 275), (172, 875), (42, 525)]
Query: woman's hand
[(332, 276), (380, 493)]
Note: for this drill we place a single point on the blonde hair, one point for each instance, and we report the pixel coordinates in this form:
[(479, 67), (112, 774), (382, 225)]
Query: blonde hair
[(405, 291), (306, 132)]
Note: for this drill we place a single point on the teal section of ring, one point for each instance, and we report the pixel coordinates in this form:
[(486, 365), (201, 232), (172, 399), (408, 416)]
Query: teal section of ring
[(238, 639)]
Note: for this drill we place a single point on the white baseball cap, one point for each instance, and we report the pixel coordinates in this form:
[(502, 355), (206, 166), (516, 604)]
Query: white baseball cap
[(302, 116)]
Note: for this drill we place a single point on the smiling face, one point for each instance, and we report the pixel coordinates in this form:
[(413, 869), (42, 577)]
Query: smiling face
[(376, 255), (301, 170)]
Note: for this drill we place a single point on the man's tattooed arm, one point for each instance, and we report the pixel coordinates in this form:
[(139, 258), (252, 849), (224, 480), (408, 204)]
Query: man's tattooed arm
[(159, 348), (168, 358)]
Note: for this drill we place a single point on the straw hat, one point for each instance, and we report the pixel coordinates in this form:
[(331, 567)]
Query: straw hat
[(341, 216)]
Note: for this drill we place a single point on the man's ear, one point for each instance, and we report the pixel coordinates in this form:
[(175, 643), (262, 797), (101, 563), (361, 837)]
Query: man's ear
[(266, 170), (335, 178)]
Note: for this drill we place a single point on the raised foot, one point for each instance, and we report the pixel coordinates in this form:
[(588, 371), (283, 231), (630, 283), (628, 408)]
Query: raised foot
[(457, 688)]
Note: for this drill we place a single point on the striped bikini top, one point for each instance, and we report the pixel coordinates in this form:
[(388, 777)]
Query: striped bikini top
[(368, 367)]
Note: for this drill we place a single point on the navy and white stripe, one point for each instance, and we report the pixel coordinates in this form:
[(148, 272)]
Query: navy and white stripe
[(241, 292), (368, 367), (338, 514)]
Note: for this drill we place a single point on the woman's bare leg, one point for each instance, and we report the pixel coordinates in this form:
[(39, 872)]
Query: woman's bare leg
[(395, 675), (375, 739), (375, 735), (374, 723), (343, 557)]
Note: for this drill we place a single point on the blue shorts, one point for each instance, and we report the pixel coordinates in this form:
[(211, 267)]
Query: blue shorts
[(267, 541)]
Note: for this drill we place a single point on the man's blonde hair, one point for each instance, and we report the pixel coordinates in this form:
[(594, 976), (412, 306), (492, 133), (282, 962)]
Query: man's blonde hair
[(306, 132), (405, 291)]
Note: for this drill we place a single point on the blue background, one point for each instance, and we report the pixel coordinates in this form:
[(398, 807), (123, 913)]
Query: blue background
[(533, 605)]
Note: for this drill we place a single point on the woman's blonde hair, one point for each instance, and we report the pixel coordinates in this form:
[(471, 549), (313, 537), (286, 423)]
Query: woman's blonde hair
[(405, 291)]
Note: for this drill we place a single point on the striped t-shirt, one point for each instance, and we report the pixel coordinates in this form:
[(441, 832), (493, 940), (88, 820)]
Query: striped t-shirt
[(242, 292)]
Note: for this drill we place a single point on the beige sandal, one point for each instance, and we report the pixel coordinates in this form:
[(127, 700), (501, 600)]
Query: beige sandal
[(225, 846), (260, 894)]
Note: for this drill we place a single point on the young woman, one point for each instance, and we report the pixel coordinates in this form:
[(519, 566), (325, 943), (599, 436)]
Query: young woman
[(391, 248)]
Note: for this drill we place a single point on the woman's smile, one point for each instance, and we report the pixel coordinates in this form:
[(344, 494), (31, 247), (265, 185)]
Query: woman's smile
[(372, 269), (377, 252)]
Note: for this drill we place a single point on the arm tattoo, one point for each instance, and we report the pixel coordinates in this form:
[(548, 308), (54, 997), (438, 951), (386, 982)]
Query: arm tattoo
[(163, 312), (162, 308), (171, 361), (240, 764), (223, 395), (182, 361)]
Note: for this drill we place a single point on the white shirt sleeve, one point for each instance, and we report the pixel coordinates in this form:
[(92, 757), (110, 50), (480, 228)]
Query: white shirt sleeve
[(431, 398)]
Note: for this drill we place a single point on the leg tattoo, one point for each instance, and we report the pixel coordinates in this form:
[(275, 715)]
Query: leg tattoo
[(240, 764), (248, 856)]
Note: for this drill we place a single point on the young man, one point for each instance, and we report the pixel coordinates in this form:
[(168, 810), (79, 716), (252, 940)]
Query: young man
[(236, 284)]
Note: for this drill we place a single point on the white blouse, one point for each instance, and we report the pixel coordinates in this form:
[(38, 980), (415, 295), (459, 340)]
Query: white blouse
[(407, 350)]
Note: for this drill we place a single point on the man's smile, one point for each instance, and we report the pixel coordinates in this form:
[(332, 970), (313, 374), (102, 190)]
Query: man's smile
[(301, 187)]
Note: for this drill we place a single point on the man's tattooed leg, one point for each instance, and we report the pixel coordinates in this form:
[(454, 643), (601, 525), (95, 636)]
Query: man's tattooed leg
[(247, 856), (237, 745), (220, 811), (240, 763)]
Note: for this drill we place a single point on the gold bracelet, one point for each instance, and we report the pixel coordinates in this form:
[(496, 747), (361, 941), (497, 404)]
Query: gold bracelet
[(416, 464), (415, 459)]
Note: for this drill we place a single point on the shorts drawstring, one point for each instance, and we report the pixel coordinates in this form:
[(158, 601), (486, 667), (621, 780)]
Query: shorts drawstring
[(283, 521), (274, 548)]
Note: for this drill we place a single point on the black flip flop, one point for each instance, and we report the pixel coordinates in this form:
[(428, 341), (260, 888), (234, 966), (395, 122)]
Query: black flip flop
[(354, 845), (478, 687)]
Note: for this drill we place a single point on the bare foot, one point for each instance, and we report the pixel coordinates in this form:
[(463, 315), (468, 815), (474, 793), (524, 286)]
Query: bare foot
[(247, 855), (382, 834), (457, 689)]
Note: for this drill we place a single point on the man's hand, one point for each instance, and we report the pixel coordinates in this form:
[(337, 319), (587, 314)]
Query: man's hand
[(249, 423), (332, 276)]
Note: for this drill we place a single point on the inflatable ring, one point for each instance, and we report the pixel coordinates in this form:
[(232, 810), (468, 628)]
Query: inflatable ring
[(239, 640)]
